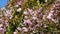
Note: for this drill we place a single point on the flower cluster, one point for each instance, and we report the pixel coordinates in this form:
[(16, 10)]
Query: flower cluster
[(26, 17)]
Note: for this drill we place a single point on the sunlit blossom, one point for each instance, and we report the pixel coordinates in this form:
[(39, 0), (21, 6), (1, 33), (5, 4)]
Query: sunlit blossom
[(19, 9), (25, 29)]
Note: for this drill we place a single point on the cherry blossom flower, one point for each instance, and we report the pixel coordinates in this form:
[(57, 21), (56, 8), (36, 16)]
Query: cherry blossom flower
[(24, 29), (16, 6), (34, 18), (26, 17), (45, 26), (18, 28), (27, 22), (2, 31), (49, 16), (16, 32), (26, 13), (19, 9), (1, 25)]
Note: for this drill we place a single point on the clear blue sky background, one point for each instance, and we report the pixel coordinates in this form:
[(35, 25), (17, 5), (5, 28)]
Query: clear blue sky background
[(3, 3)]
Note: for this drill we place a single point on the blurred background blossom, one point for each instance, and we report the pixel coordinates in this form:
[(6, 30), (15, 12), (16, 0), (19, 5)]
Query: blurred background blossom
[(30, 17)]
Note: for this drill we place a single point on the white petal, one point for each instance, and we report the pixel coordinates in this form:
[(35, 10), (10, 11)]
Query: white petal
[(1, 25), (18, 10), (25, 13), (16, 5), (34, 18)]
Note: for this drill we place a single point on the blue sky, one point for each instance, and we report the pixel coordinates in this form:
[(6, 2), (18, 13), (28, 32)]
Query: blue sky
[(3, 3)]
